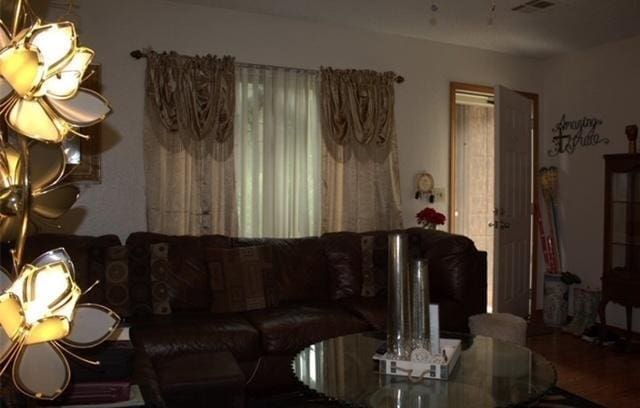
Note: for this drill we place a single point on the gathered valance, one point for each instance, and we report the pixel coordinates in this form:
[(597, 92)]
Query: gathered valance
[(357, 105), (195, 95)]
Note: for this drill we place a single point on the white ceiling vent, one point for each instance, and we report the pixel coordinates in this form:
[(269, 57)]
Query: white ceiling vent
[(533, 6)]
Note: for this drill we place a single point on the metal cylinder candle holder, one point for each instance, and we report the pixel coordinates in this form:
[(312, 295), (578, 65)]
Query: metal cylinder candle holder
[(398, 308), (420, 304)]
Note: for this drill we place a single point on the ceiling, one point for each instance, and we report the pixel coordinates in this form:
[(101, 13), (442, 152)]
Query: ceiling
[(567, 25)]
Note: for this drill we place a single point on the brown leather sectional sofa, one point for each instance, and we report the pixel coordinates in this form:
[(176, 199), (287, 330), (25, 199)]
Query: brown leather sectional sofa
[(319, 282)]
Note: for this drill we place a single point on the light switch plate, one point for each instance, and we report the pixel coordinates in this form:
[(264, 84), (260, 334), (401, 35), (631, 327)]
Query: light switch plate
[(439, 194)]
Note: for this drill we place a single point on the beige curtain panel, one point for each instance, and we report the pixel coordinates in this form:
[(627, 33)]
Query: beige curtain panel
[(193, 95), (188, 145), (360, 176), (357, 105)]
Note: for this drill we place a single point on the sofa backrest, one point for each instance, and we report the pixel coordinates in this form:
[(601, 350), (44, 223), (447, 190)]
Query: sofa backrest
[(331, 267), (351, 256), (299, 266)]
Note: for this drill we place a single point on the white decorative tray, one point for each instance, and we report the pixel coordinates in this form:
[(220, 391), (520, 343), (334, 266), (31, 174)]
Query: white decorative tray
[(424, 364)]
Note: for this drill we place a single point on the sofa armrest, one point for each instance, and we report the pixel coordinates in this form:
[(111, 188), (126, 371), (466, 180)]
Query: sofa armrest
[(144, 374)]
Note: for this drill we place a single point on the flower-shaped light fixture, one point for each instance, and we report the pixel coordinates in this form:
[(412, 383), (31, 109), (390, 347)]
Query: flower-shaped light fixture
[(41, 69), (48, 199), (40, 318)]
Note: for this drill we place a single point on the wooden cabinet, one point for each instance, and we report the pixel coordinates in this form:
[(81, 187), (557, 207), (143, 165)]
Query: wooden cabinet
[(621, 269)]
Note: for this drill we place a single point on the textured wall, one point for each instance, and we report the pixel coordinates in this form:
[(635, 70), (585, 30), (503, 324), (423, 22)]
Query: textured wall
[(113, 28), (601, 82)]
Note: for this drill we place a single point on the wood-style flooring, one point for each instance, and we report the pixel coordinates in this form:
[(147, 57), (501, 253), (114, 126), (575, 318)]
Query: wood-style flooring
[(601, 374)]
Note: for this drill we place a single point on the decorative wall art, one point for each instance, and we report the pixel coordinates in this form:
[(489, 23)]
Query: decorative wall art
[(570, 134)]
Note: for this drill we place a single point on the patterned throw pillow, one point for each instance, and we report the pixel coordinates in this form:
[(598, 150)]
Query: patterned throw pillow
[(241, 279), (116, 277), (160, 270), (140, 280)]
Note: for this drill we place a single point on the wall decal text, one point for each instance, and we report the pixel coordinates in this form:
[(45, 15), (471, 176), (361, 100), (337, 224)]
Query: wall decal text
[(569, 134)]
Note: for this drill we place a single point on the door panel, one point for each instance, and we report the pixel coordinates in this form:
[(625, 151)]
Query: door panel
[(513, 202)]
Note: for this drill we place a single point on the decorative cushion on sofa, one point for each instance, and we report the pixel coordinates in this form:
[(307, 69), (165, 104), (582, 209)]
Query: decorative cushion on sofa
[(140, 281), (289, 328), (189, 278), (299, 267), (241, 279), (160, 270), (116, 279)]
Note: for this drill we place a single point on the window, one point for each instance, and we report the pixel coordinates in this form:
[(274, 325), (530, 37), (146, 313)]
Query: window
[(277, 143)]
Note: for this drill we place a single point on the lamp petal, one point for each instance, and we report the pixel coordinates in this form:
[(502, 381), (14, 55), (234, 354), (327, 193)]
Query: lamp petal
[(11, 314), (56, 43), (47, 164), (5, 280), (86, 108), (5, 89), (22, 68), (6, 346), (41, 371), (53, 256), (45, 289), (30, 118), (64, 84), (92, 324), (54, 202), (8, 228), (13, 163), (5, 35), (48, 329)]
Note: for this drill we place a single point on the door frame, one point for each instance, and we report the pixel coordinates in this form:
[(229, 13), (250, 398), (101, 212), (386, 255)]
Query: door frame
[(535, 100)]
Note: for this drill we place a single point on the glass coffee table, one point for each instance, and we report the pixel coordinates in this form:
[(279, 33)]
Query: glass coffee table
[(490, 373)]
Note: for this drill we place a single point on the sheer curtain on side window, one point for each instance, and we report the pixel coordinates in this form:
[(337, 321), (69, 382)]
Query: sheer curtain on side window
[(277, 152)]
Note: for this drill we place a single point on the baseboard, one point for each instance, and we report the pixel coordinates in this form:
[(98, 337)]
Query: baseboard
[(538, 317)]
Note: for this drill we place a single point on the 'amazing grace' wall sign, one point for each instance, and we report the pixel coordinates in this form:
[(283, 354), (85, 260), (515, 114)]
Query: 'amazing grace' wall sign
[(569, 134)]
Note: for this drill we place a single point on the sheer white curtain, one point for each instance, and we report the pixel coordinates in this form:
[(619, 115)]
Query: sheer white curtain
[(278, 152)]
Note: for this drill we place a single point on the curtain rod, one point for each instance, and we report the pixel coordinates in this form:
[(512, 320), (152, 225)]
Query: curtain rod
[(138, 54)]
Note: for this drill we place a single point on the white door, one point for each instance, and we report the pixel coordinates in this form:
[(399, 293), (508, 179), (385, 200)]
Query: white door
[(512, 238)]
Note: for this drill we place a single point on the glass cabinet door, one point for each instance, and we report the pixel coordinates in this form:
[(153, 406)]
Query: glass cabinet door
[(625, 220)]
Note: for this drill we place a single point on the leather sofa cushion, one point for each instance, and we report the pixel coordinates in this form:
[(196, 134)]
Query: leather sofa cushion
[(170, 335), (193, 379), (188, 280), (371, 309), (374, 311), (290, 328), (299, 266)]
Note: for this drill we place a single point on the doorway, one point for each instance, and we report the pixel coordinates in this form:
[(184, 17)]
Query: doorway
[(486, 190)]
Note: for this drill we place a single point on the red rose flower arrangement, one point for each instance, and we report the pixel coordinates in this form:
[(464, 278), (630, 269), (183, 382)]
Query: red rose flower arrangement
[(429, 218)]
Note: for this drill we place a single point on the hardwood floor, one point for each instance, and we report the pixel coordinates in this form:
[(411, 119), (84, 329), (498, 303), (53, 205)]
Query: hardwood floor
[(600, 374)]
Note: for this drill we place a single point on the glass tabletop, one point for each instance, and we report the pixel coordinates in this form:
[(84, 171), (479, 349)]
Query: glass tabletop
[(489, 373)]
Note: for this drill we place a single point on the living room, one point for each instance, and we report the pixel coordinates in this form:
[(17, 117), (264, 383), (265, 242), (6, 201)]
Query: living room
[(579, 57)]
